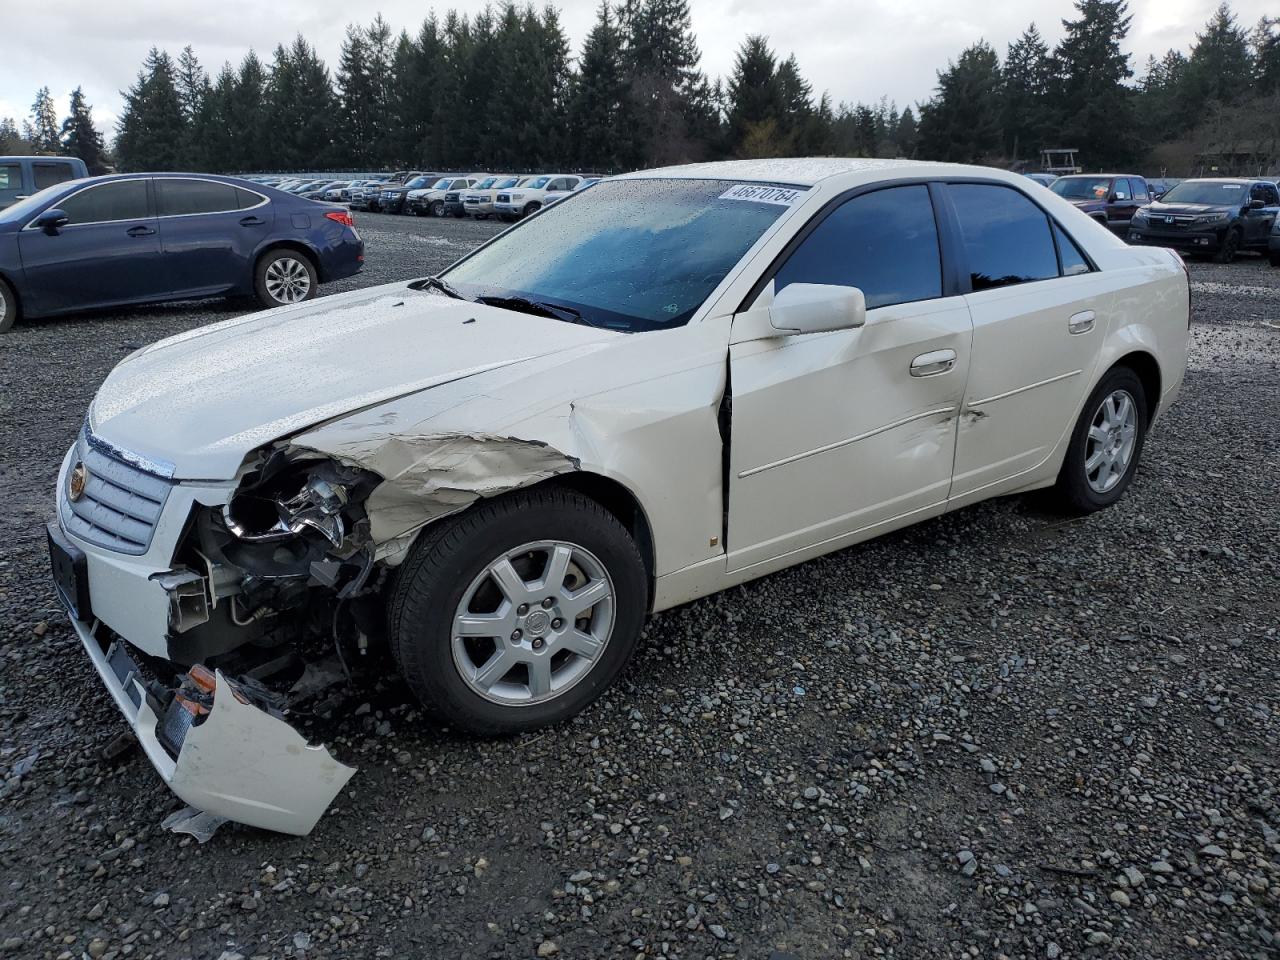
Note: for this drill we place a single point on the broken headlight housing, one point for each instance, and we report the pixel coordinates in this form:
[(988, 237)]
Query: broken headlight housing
[(295, 516)]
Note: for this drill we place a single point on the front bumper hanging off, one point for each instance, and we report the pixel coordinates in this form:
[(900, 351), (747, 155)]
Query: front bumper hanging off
[(242, 763), (236, 760)]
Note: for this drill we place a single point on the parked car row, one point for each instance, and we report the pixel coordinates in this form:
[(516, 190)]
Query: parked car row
[(1217, 216)]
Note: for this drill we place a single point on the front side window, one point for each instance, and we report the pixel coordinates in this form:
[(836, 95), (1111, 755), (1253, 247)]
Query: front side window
[(122, 200), (1121, 190), (630, 255), (1271, 194), (1005, 236), (1081, 188), (177, 198), (1140, 190), (48, 174), (885, 243)]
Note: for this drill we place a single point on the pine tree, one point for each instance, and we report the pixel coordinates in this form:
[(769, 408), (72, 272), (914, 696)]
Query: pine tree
[(11, 139), (151, 131), (193, 88), (599, 103), (1266, 56), (418, 83), (80, 138), (1220, 68), (961, 122), (1090, 95), (755, 99), (1025, 93), (44, 124)]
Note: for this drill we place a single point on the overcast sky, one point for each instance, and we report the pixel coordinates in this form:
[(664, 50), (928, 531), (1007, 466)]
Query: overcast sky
[(854, 49)]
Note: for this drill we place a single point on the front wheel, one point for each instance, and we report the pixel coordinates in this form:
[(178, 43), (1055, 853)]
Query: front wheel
[(437, 208), (530, 209), (1230, 247), (519, 613), (284, 277), (8, 307), (1106, 444)]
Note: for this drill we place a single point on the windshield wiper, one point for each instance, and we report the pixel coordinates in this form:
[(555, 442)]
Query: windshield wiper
[(428, 283), (542, 308)]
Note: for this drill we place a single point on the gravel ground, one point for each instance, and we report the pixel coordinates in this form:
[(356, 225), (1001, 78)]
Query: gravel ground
[(1002, 733)]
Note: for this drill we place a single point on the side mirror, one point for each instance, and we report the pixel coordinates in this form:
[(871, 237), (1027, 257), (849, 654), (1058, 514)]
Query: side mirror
[(1257, 203), (817, 308), (52, 220)]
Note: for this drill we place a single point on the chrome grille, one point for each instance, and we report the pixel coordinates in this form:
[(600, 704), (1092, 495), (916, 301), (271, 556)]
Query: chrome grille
[(121, 503)]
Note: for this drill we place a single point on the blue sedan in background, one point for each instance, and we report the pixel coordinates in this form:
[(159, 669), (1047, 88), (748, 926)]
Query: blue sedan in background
[(150, 237)]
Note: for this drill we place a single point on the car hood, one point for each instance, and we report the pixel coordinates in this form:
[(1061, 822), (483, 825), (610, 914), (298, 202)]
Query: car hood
[(1089, 204), (199, 402)]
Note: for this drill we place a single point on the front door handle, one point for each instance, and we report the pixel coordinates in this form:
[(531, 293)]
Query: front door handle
[(140, 231), (933, 363), (251, 221), (1081, 322)]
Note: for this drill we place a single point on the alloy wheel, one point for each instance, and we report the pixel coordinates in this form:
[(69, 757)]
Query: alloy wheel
[(533, 623), (288, 280), (1113, 436)]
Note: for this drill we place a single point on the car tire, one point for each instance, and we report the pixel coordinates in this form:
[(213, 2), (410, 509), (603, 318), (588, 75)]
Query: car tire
[(284, 277), (506, 217), (1230, 247), (1275, 259), (437, 208), (448, 576), (8, 307), (459, 214), (530, 209), (1106, 444)]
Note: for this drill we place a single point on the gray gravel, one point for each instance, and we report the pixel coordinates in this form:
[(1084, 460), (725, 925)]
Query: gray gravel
[(1003, 733)]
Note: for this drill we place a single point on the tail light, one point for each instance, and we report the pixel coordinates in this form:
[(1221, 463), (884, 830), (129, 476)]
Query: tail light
[(341, 216)]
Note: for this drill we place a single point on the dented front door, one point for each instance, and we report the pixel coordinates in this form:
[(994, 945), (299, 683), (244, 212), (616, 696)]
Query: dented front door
[(844, 433)]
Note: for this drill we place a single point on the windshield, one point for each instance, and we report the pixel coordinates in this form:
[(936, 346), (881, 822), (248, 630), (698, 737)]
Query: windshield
[(537, 184), (629, 255), (509, 182), (415, 183), (1082, 188), (1216, 192), (486, 183), (442, 183)]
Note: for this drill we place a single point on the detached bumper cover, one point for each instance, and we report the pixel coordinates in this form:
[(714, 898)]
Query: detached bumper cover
[(241, 763)]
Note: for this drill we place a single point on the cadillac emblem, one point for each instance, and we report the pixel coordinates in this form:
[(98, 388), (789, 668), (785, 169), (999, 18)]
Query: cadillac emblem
[(78, 477)]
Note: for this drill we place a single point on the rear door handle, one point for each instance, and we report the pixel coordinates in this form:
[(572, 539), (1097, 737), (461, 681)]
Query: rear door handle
[(933, 363), (140, 231), (1081, 322), (251, 221)]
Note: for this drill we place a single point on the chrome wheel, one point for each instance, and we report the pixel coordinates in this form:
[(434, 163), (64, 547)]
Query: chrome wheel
[(1113, 436), (533, 623), (288, 280)]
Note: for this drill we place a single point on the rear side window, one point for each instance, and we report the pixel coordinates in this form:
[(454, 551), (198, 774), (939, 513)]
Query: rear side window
[(1006, 237), (122, 200), (1073, 261), (10, 182), (1139, 190), (47, 174), (178, 198), (885, 243)]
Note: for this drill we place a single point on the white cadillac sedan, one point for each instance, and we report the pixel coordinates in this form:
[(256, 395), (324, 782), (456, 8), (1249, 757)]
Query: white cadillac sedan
[(660, 387)]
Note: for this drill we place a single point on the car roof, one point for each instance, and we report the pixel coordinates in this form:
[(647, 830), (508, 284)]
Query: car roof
[(804, 171)]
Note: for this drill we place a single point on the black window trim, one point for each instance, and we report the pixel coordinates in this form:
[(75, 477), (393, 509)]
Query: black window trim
[(151, 204), (262, 201), (965, 278), (944, 226)]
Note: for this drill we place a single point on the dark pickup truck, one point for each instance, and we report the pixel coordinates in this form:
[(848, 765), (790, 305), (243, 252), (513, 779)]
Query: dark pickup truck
[(1218, 216), (1110, 198), (22, 176)]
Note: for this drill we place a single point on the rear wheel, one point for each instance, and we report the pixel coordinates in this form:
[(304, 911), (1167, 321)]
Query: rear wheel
[(284, 277), (1230, 247), (1106, 444), (8, 307), (519, 613)]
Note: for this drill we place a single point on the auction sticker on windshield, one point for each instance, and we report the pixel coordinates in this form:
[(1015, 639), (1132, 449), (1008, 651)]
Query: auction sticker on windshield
[(761, 193)]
